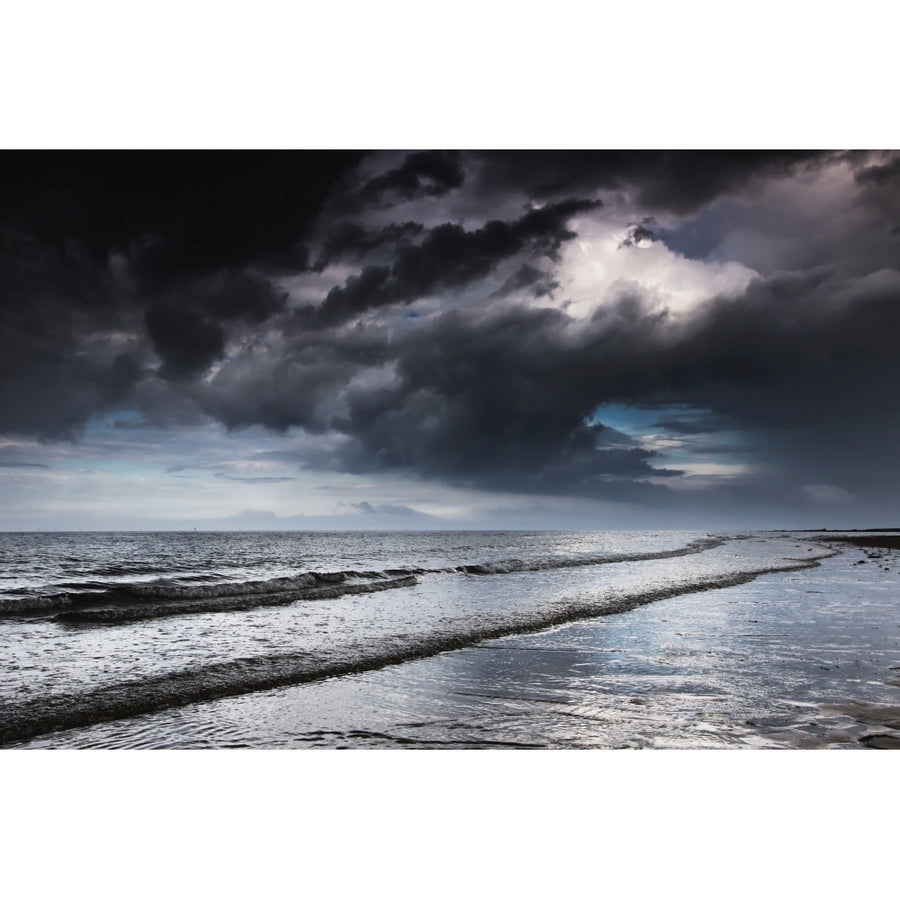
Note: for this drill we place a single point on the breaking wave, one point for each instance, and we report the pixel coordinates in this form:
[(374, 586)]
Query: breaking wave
[(508, 566), (119, 597), (121, 602), (230, 603), (38, 603)]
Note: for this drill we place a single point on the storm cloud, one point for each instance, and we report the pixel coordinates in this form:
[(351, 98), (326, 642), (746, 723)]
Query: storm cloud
[(555, 324), (448, 257), (661, 180), (430, 173)]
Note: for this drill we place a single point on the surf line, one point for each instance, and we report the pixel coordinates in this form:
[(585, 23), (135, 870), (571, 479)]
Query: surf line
[(119, 615), (94, 606), (22, 721)]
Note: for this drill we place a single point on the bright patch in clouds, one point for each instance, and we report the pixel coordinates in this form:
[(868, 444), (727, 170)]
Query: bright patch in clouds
[(601, 267)]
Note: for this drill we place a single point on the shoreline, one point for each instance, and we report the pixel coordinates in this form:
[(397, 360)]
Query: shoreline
[(805, 658), (873, 541), (34, 718)]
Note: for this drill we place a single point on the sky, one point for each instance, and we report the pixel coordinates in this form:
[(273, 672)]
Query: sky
[(449, 339)]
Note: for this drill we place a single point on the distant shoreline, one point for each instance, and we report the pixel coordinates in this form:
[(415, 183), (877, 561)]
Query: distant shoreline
[(889, 541)]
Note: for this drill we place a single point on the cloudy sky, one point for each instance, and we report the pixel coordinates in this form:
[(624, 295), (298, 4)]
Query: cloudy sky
[(449, 339)]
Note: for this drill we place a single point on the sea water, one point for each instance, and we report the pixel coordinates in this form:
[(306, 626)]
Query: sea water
[(349, 639)]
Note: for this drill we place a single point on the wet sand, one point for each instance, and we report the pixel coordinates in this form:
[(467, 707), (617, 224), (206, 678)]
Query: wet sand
[(873, 541)]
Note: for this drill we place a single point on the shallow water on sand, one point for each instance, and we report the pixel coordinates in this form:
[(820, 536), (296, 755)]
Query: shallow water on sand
[(758, 664)]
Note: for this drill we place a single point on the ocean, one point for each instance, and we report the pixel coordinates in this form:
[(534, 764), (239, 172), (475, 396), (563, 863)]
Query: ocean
[(441, 639)]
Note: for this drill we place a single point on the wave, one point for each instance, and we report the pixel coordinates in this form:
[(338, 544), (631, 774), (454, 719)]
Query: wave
[(177, 595), (170, 591), (115, 570), (39, 603), (24, 720), (508, 566), (93, 594), (230, 603)]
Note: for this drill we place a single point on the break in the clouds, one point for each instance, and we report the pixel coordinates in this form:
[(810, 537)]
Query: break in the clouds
[(449, 338)]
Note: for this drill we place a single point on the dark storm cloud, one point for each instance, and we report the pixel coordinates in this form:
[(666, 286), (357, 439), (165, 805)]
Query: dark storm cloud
[(879, 175), (180, 213), (370, 288), (195, 235), (882, 170), (61, 359), (189, 326), (430, 173), (108, 257), (230, 295), (351, 239), (145, 282), (662, 180), (448, 257), (295, 382), (807, 363), (501, 400), (187, 343), (815, 336), (497, 402)]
